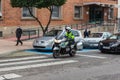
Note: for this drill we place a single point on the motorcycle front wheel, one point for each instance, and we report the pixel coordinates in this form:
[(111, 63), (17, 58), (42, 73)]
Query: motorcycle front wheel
[(56, 53)]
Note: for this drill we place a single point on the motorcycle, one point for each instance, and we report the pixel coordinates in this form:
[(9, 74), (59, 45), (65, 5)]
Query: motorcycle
[(61, 47)]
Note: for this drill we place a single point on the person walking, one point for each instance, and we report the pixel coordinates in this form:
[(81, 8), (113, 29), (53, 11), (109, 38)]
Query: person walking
[(18, 36), (89, 32), (85, 33)]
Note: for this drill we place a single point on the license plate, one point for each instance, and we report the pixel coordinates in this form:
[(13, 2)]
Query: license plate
[(104, 47), (93, 44)]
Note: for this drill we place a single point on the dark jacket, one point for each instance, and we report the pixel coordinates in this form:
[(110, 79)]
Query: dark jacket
[(85, 33), (18, 32)]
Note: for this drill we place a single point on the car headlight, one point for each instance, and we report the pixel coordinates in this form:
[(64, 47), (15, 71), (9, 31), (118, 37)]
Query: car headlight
[(49, 41), (36, 41), (101, 43), (115, 44)]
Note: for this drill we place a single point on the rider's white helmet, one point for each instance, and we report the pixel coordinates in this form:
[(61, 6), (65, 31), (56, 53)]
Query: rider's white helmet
[(68, 28)]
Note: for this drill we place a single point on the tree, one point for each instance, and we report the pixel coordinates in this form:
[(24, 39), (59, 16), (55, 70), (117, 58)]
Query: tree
[(48, 4)]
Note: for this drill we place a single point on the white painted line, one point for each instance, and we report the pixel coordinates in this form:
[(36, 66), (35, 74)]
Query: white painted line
[(26, 62), (91, 56), (88, 50), (24, 58), (1, 78), (9, 76), (37, 65)]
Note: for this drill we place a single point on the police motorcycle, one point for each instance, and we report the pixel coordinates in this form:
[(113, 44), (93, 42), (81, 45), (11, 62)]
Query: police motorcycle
[(62, 47)]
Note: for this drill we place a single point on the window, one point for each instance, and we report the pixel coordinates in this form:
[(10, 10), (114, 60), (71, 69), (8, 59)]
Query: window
[(26, 14), (112, 0), (56, 12), (75, 33), (110, 16), (0, 9), (53, 33), (0, 6), (78, 12), (113, 37), (96, 35), (108, 35)]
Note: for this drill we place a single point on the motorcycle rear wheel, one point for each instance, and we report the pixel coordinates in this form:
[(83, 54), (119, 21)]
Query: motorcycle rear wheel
[(72, 52)]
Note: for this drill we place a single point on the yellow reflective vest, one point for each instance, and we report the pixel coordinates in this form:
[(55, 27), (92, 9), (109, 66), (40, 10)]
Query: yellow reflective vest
[(69, 35)]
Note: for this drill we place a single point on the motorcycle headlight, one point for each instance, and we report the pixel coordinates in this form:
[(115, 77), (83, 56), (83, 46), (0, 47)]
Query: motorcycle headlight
[(57, 41)]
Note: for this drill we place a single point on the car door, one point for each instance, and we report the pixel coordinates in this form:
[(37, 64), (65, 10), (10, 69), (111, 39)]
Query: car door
[(78, 39)]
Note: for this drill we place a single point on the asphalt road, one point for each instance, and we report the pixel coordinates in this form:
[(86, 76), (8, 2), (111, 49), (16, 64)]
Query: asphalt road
[(86, 65)]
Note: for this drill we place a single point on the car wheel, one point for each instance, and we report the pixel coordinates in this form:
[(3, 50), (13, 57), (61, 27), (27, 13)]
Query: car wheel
[(102, 51), (100, 47)]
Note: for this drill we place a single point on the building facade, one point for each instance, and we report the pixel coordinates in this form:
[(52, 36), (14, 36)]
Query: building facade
[(73, 12)]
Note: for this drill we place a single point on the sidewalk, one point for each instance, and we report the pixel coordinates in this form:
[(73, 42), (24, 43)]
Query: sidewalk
[(8, 45)]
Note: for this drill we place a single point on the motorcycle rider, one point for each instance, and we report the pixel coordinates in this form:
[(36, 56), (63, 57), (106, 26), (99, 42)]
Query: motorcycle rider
[(65, 45), (69, 36)]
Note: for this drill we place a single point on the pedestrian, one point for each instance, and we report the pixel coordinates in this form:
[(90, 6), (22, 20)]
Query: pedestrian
[(85, 33), (89, 32), (18, 36)]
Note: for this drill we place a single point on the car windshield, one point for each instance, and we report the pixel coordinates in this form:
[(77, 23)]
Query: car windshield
[(53, 33), (96, 35), (115, 36)]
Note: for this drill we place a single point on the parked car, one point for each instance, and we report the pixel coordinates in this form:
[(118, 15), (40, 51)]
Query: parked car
[(111, 44), (95, 38), (46, 42)]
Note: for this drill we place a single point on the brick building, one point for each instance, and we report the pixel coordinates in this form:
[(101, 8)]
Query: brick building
[(73, 12)]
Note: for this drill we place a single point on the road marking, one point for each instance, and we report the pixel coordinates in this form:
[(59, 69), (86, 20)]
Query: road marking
[(100, 57), (1, 78), (25, 58), (88, 50), (26, 62), (37, 65), (9, 76)]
